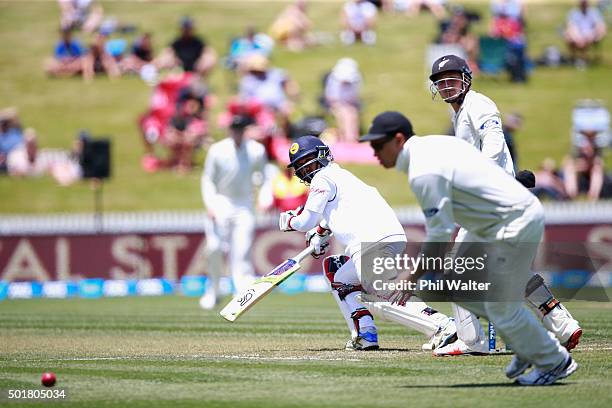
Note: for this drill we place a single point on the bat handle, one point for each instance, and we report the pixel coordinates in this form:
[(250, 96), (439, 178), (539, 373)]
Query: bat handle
[(298, 258)]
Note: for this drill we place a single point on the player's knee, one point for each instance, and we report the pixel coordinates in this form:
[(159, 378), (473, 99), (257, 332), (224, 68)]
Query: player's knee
[(332, 264)]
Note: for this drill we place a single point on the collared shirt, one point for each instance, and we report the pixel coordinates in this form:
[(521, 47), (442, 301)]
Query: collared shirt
[(478, 122), (454, 183)]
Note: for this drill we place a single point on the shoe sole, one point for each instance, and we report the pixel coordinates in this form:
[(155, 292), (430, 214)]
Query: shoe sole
[(519, 372), (569, 370), (460, 353), (573, 340)]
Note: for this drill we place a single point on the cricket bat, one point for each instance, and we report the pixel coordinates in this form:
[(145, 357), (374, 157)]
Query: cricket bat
[(262, 286)]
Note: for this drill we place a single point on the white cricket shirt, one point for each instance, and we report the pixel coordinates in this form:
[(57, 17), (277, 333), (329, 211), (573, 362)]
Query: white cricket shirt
[(478, 122), (455, 183), (353, 210), (227, 179)]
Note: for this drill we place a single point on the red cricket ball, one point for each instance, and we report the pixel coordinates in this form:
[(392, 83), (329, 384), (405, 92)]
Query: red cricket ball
[(48, 379)]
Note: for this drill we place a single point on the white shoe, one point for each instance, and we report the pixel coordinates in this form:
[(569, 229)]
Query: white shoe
[(446, 334), (516, 367), (459, 348), (367, 340), (539, 377), (208, 301)]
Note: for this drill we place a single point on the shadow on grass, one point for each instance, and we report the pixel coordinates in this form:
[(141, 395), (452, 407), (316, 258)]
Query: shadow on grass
[(408, 350), (484, 385)]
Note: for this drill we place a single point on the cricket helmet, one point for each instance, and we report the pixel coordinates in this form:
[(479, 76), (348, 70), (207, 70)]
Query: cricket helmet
[(308, 150), (441, 83)]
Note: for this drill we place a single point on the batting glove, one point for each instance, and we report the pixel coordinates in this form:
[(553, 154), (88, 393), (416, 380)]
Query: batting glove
[(284, 221), (319, 238)]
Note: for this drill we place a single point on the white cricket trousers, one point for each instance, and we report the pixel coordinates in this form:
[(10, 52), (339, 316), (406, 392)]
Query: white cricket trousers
[(512, 319), (233, 235)]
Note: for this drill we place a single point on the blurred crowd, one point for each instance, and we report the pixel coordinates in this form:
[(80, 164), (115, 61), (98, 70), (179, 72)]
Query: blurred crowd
[(177, 121)]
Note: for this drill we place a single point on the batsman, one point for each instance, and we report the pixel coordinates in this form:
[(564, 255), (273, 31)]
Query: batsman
[(356, 213)]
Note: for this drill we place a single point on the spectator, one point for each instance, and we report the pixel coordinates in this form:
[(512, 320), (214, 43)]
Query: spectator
[(585, 28), (288, 192), (20, 156), (583, 171), (68, 57), (83, 14), (186, 131), (141, 55), (549, 183), (342, 96), (358, 22), (188, 51), (98, 60), (162, 108), (513, 9), (243, 47), (508, 23), (292, 26), (436, 7), (269, 86), (456, 30), (11, 136)]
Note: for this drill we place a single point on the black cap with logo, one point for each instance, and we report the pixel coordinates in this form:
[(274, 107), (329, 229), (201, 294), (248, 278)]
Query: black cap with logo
[(450, 63), (387, 124)]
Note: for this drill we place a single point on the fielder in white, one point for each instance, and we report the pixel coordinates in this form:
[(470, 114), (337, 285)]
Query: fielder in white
[(340, 203), (477, 120), (228, 191), (455, 183)]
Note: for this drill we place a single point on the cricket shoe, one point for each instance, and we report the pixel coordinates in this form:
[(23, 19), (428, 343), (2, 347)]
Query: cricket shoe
[(459, 348), (539, 377), (367, 340), (208, 301), (516, 367), (446, 334)]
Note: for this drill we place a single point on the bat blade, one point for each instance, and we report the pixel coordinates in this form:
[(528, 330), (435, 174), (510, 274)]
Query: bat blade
[(260, 288)]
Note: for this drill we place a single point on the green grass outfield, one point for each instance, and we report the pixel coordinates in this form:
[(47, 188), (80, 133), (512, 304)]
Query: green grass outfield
[(287, 351), (394, 78)]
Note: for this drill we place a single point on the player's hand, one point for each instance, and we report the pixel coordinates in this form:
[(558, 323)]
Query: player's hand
[(319, 238), (400, 297), (284, 221)]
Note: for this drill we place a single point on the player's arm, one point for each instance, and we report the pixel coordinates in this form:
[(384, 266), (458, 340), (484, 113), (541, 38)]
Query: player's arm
[(208, 187), (321, 192), (488, 124), (433, 193)]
